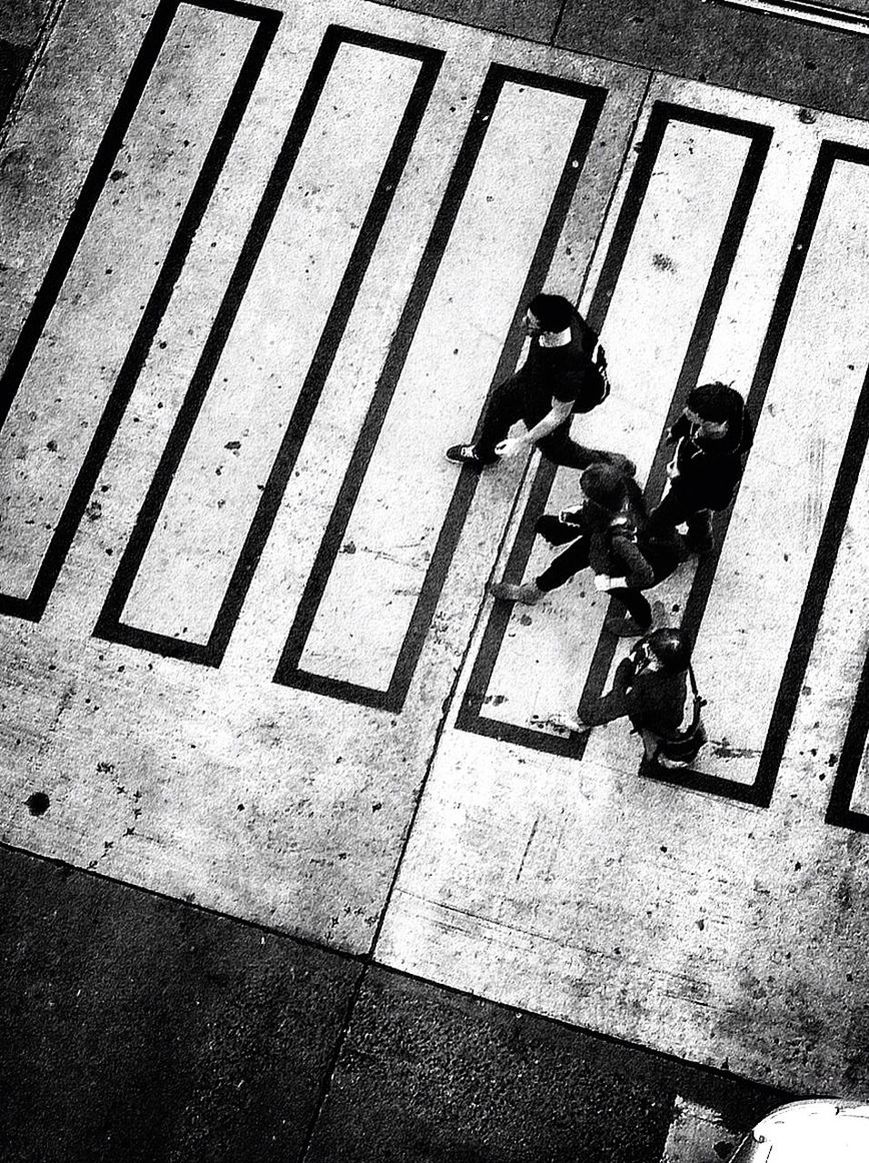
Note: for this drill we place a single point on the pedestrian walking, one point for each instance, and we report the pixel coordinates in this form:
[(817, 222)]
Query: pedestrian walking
[(565, 372), (651, 688), (606, 535), (712, 438)]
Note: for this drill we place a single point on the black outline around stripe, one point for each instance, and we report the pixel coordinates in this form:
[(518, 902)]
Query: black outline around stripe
[(288, 671), (109, 625), (839, 810), (470, 717), (33, 606), (760, 792)]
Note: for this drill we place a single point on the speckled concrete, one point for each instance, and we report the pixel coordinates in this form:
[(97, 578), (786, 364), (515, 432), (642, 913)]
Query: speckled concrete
[(221, 786), (532, 19), (679, 919), (138, 1028), (728, 934), (23, 23), (740, 48)]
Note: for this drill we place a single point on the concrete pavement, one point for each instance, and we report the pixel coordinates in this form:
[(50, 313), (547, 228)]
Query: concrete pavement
[(268, 268)]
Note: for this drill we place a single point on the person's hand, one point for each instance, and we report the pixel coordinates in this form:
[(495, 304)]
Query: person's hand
[(510, 446), (604, 583), (570, 517)]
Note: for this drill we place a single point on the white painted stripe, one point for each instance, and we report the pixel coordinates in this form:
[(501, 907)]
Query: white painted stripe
[(186, 568), (546, 652), (622, 904), (371, 593), (827, 696), (838, 18), (860, 796), (52, 419), (776, 524), (732, 356)]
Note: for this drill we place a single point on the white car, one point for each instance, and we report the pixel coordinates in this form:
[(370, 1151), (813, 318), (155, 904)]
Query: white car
[(818, 1130)]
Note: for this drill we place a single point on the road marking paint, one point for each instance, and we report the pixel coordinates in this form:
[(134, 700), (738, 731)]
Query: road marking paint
[(220, 785), (72, 371), (764, 608), (586, 893), (683, 210), (842, 19), (363, 616), (333, 198)]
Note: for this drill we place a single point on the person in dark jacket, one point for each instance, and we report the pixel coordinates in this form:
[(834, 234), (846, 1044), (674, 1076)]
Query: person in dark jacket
[(604, 535), (712, 439), (564, 373), (650, 687)]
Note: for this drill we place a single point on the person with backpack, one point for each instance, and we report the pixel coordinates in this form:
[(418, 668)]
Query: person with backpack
[(606, 534), (650, 687), (565, 372), (712, 438)]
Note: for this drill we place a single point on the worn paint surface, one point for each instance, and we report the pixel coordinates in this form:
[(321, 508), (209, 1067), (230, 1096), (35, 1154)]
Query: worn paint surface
[(398, 197)]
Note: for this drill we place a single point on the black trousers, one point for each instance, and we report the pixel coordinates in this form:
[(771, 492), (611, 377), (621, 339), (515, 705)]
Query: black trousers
[(575, 558), (507, 405), (676, 510)]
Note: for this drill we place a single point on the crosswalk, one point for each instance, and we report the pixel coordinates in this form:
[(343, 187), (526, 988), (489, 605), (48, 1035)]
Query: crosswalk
[(286, 266)]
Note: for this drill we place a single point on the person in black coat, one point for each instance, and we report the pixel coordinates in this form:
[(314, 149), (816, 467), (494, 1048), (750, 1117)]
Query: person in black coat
[(564, 373), (650, 687), (605, 534), (712, 438)]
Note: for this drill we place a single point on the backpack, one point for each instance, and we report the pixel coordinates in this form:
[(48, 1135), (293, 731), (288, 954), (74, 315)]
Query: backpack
[(683, 746), (595, 384)]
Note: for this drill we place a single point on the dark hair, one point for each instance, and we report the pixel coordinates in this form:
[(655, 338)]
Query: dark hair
[(552, 312), (716, 402), (671, 647), (604, 484)]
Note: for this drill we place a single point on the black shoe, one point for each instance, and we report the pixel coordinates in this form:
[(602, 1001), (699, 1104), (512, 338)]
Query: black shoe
[(528, 593), (467, 454), (622, 627), (556, 531)]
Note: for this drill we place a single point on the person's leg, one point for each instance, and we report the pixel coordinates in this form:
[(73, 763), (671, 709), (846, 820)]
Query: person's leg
[(699, 536), (676, 510), (560, 447), (556, 531), (595, 710), (640, 614), (651, 743), (560, 570), (503, 409), (664, 548)]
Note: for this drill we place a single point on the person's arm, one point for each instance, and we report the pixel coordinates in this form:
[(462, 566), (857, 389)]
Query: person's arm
[(560, 411), (679, 429), (575, 516), (597, 710)]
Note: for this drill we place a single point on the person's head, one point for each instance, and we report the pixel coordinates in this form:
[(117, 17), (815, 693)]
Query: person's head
[(667, 649), (604, 486), (549, 313), (712, 409)]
